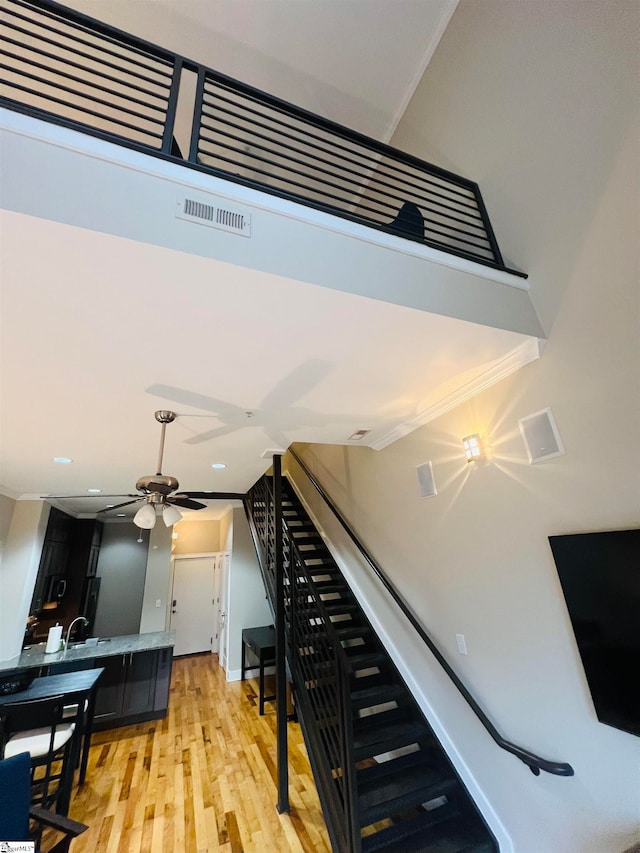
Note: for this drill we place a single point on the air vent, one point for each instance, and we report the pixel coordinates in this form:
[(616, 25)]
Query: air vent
[(215, 214), (359, 435)]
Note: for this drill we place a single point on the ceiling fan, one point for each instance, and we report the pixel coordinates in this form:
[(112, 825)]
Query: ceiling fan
[(157, 490)]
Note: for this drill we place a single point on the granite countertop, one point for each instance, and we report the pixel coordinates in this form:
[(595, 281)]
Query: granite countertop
[(107, 646)]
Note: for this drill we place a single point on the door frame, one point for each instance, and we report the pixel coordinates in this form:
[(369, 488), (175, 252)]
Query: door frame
[(217, 586)]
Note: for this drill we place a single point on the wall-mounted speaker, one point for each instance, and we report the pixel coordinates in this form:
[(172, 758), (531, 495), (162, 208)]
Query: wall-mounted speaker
[(541, 436), (425, 480)]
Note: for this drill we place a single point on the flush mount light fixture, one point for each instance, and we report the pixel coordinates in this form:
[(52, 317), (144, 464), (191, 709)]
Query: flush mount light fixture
[(218, 465), (474, 448), (62, 460)]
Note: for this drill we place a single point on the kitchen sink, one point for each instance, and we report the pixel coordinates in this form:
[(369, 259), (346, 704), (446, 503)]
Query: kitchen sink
[(86, 644)]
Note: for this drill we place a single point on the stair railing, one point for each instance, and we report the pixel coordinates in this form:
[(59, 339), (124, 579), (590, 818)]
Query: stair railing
[(319, 670), (64, 67), (534, 762)]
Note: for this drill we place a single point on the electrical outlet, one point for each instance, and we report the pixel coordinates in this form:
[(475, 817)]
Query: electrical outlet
[(461, 643)]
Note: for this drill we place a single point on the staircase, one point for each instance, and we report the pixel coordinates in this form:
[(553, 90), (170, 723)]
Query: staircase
[(384, 780)]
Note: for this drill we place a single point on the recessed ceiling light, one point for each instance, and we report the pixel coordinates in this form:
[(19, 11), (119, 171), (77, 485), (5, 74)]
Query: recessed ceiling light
[(218, 465), (62, 460), (94, 491), (109, 506), (121, 515)]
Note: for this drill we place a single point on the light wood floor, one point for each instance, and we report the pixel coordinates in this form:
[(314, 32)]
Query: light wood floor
[(202, 779)]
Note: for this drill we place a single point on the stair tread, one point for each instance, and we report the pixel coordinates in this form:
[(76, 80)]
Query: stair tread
[(398, 792), (420, 758), (366, 659), (377, 740), (327, 587), (429, 833), (353, 632), (377, 695), (337, 606)]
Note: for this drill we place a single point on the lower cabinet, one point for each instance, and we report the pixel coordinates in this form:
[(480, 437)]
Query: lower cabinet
[(133, 688)]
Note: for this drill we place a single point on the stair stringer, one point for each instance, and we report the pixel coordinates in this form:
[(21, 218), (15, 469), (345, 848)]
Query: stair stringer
[(471, 750)]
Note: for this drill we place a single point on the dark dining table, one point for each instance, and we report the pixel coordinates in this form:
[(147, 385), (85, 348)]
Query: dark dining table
[(77, 688)]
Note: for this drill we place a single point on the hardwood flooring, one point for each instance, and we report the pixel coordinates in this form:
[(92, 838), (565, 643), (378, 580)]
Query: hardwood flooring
[(202, 779)]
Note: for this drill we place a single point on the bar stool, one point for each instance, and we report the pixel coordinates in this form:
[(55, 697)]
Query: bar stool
[(39, 727)]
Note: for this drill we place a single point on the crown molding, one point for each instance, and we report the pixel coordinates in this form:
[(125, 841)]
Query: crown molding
[(530, 350)]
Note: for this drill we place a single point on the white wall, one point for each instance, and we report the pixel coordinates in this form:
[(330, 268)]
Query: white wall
[(157, 585), (196, 537), (248, 606), (539, 103), (18, 572), (7, 506), (122, 568)]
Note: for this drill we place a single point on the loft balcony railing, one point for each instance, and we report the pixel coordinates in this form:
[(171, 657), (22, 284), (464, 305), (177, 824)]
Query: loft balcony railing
[(64, 67)]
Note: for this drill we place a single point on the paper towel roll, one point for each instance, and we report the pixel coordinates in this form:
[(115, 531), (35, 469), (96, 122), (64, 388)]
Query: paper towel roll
[(53, 639)]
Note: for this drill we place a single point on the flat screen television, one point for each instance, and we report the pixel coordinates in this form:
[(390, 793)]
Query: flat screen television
[(600, 578)]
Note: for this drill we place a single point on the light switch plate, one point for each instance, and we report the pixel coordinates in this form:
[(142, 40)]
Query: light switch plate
[(461, 643)]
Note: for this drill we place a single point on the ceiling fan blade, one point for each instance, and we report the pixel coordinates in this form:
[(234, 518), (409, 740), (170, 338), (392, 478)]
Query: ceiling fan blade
[(213, 496), (186, 503), (117, 506), (75, 497)]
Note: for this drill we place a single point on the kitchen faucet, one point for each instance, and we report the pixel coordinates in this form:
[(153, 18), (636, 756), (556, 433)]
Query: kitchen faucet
[(77, 619)]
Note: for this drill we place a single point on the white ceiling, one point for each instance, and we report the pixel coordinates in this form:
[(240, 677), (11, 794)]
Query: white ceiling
[(354, 61), (99, 331)]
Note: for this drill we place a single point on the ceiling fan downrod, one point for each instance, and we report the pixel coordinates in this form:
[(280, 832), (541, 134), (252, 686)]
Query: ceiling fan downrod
[(164, 417)]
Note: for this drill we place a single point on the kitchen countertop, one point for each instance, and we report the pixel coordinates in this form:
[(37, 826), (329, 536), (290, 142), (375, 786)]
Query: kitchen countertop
[(131, 643)]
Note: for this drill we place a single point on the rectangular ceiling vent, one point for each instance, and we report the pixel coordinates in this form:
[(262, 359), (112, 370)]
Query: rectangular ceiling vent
[(215, 215)]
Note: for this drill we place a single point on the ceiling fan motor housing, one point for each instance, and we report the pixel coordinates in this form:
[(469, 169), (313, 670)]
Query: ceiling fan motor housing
[(160, 484)]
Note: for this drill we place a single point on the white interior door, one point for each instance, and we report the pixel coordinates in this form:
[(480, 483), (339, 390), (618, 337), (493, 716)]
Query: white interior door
[(193, 606)]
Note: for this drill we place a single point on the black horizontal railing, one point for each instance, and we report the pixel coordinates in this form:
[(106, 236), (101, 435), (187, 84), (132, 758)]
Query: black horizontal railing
[(535, 762), (65, 67)]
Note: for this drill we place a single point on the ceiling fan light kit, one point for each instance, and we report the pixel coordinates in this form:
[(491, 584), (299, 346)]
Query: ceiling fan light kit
[(171, 515), (145, 517)]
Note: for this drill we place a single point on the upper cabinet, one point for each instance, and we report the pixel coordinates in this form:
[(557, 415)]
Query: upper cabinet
[(69, 555)]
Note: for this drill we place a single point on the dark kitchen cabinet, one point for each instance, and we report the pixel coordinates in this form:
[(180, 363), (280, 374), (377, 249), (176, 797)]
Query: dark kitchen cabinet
[(87, 536), (110, 691), (59, 526), (69, 554), (140, 684), (133, 688), (163, 679)]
